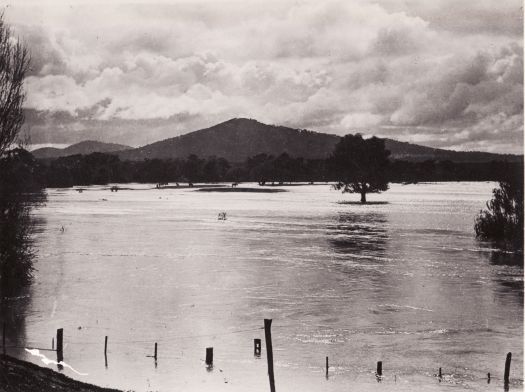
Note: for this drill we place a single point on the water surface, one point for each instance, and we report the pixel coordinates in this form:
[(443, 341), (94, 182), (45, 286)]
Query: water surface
[(404, 282)]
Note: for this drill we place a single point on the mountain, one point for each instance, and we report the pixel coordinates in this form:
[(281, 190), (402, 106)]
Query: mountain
[(239, 138), (85, 147), (414, 152)]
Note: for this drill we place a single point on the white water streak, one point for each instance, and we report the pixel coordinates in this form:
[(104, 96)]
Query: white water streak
[(48, 361)]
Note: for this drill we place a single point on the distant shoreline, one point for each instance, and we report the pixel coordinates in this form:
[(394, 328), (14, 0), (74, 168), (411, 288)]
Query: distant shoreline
[(252, 190)]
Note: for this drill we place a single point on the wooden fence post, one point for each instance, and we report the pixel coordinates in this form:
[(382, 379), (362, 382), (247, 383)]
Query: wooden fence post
[(257, 347), (209, 356), (327, 367), (507, 368), (106, 351), (269, 352), (379, 370), (60, 344)]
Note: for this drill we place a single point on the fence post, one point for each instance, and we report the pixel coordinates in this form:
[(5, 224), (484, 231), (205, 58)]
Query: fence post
[(106, 351), (3, 337), (155, 352), (507, 368), (327, 367), (257, 347), (379, 370), (60, 345), (209, 356), (269, 352)]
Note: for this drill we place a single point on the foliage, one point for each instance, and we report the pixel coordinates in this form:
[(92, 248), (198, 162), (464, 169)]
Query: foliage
[(502, 221), (17, 168), (14, 63), (20, 190), (360, 165), (99, 168)]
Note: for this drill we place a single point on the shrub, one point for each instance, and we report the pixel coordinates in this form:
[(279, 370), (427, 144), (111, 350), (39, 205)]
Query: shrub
[(19, 193), (502, 221)]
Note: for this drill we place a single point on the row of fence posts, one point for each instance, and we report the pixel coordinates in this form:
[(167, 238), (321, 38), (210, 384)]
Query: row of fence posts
[(256, 350)]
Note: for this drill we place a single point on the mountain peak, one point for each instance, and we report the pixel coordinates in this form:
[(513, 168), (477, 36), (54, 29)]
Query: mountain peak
[(239, 138), (240, 121)]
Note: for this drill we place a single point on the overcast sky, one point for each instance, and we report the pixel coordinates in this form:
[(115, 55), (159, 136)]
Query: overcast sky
[(442, 73)]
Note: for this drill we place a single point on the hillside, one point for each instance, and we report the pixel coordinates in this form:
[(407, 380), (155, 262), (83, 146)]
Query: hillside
[(85, 147), (240, 138), (415, 152)]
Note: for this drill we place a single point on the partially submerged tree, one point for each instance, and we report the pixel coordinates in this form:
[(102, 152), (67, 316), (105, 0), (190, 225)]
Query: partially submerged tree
[(14, 63), (20, 190), (502, 221), (360, 165), (17, 168)]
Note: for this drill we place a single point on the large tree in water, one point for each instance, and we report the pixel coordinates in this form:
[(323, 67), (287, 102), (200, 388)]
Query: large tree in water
[(360, 165), (14, 63), (18, 189)]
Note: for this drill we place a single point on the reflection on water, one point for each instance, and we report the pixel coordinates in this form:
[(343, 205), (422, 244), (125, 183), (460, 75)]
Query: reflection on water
[(508, 263), (359, 233), (403, 282), (13, 312), (502, 257)]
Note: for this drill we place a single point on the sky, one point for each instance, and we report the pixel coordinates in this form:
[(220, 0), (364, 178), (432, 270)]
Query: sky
[(441, 73)]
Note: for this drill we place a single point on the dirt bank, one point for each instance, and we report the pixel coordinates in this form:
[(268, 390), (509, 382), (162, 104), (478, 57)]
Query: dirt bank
[(21, 376)]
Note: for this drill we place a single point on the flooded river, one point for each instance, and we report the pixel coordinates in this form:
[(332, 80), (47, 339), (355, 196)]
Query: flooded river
[(403, 281)]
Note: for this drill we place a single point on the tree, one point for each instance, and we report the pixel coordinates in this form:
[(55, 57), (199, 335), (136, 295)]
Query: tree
[(20, 189), (17, 168), (14, 63), (360, 165), (502, 221), (193, 167)]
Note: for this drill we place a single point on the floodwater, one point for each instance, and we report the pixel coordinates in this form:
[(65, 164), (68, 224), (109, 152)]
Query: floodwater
[(404, 282)]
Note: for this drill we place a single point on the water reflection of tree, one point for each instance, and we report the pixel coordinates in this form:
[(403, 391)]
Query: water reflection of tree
[(361, 233), (504, 257), (507, 271)]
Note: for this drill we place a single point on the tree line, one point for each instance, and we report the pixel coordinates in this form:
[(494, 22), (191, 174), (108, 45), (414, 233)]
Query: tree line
[(101, 168)]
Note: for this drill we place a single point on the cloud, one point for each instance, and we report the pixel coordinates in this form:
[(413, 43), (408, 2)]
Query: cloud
[(360, 120), (408, 70)]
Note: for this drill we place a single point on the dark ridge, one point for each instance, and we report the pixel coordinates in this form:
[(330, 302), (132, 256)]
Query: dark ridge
[(84, 148), (240, 138)]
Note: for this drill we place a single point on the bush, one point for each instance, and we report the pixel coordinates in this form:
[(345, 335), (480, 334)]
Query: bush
[(19, 192), (502, 221)]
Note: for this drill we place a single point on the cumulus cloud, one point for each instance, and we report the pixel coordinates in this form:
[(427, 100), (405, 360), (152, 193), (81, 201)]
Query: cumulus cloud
[(411, 70)]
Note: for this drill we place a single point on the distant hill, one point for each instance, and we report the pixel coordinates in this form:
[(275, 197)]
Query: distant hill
[(237, 139), (240, 138), (415, 152), (85, 147)]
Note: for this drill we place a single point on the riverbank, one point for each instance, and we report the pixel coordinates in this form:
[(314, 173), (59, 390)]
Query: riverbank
[(252, 190), (21, 376)]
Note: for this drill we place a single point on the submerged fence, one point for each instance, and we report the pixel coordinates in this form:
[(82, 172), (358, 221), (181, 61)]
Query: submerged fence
[(257, 349)]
